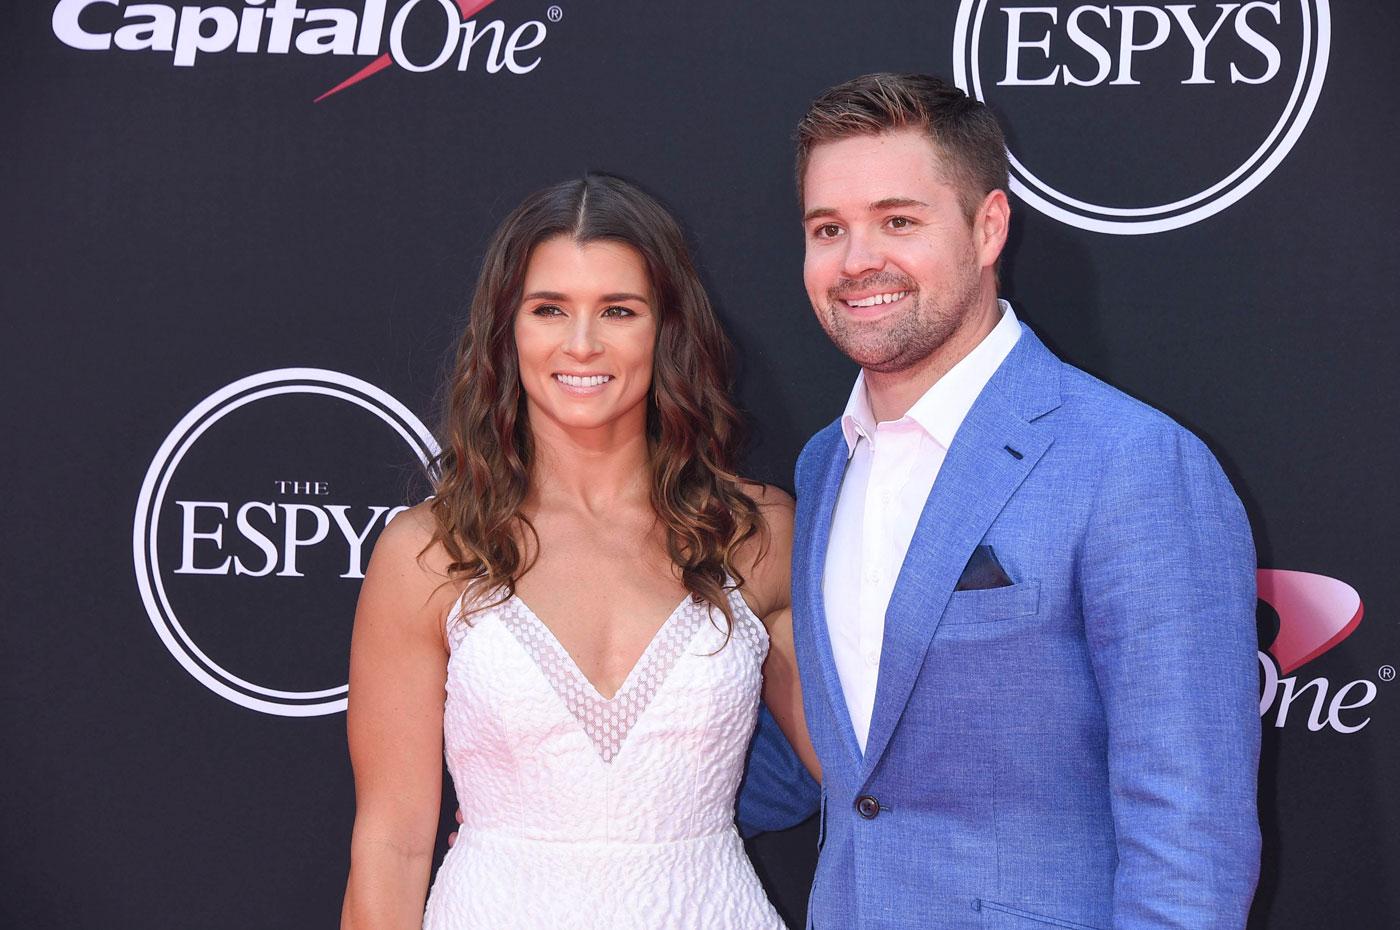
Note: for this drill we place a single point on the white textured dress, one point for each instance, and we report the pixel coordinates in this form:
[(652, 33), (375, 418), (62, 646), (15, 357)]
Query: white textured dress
[(582, 812)]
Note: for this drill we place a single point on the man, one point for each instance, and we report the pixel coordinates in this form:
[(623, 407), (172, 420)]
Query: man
[(1023, 602)]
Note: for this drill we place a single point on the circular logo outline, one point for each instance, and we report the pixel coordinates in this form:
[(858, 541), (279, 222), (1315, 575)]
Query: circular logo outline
[(145, 559), (1217, 197)]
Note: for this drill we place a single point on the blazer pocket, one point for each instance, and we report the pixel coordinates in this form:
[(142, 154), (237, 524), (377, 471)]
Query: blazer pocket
[(1005, 917), (988, 605)]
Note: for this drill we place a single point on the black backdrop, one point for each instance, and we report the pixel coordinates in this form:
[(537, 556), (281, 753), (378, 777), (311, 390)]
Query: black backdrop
[(175, 754)]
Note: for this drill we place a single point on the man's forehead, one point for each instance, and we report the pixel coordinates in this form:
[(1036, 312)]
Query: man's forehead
[(873, 170), (907, 143)]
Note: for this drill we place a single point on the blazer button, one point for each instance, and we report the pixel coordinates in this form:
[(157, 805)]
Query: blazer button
[(868, 807)]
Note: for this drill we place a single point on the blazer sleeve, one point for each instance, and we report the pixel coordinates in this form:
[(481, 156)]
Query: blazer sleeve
[(1168, 591), (777, 792)]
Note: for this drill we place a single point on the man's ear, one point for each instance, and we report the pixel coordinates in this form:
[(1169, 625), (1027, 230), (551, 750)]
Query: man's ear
[(990, 226)]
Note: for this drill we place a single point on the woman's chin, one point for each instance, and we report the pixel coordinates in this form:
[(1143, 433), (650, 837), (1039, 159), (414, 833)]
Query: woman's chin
[(589, 414), (576, 417)]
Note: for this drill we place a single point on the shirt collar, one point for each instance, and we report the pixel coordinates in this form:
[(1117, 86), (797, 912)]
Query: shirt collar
[(943, 407)]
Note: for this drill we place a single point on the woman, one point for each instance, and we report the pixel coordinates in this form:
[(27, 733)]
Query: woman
[(586, 586)]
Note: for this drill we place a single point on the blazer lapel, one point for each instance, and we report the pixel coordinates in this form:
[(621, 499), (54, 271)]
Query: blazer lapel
[(978, 476), (813, 534)]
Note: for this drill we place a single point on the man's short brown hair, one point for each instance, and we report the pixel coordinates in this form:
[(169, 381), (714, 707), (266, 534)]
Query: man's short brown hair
[(963, 130)]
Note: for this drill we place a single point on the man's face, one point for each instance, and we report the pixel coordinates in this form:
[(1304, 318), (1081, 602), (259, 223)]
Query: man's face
[(893, 268)]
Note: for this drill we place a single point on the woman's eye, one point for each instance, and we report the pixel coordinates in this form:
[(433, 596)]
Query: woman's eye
[(617, 311), (547, 310)]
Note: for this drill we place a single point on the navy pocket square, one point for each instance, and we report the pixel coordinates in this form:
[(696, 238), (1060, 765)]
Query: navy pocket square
[(983, 571)]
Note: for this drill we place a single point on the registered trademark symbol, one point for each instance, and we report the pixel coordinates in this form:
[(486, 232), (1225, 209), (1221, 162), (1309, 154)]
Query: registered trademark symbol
[(1387, 673), (555, 13)]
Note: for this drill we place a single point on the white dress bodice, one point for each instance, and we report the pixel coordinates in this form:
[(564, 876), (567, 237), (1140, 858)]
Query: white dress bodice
[(580, 811)]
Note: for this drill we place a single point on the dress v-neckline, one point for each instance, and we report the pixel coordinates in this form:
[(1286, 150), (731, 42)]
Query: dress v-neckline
[(605, 721), (572, 663)]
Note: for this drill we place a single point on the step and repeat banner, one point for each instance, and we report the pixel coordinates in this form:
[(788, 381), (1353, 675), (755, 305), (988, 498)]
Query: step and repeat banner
[(238, 241)]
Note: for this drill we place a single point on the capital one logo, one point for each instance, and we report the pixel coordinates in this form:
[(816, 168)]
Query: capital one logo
[(422, 35), (1315, 613), (254, 524), (1139, 118)]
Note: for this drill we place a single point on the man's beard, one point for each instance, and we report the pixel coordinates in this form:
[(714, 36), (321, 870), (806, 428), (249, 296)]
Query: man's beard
[(892, 345)]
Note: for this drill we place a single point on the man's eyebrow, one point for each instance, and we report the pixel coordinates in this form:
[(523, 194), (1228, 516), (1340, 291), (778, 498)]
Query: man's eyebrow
[(890, 203)]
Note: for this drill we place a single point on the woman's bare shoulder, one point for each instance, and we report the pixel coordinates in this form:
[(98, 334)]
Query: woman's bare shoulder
[(411, 537), (766, 559), (775, 504), (410, 560)]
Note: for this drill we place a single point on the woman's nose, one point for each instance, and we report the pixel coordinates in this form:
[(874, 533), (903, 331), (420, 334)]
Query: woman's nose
[(582, 341)]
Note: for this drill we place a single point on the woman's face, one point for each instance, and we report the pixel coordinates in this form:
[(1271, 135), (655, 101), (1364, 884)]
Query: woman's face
[(585, 331)]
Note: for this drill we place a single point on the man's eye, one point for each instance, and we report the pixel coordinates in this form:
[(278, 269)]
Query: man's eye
[(827, 231), (547, 310), (618, 311), (900, 222)]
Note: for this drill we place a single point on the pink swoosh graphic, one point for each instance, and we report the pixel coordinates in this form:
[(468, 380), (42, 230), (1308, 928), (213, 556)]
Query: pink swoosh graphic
[(466, 8), (1315, 613), (374, 67)]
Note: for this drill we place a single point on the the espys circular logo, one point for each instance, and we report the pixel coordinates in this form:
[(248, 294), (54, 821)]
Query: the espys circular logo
[(1140, 118), (255, 522)]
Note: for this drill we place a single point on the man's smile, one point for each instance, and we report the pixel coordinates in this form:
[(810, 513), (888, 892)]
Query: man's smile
[(875, 300)]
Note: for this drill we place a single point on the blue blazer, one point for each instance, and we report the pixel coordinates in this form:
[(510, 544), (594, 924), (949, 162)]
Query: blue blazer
[(1076, 749)]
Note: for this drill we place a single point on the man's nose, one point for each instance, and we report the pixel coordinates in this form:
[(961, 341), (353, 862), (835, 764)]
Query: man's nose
[(862, 255)]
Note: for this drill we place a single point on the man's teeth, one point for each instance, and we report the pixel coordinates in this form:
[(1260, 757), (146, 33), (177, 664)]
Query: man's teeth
[(584, 380), (876, 299)]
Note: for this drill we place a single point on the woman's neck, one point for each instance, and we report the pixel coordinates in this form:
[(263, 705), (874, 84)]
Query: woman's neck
[(596, 471)]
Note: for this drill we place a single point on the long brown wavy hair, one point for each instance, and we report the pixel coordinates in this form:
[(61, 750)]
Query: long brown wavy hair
[(483, 472)]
